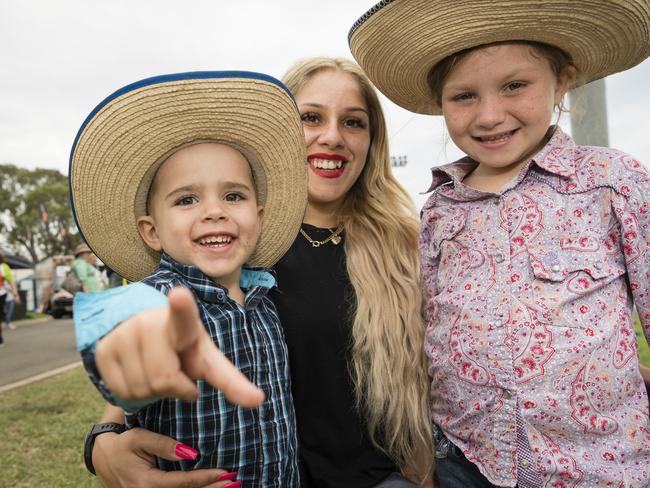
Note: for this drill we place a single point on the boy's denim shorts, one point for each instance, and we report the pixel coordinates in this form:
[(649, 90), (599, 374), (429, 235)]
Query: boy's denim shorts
[(453, 470)]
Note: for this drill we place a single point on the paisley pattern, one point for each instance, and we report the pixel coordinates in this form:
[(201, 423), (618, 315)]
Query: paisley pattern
[(528, 302)]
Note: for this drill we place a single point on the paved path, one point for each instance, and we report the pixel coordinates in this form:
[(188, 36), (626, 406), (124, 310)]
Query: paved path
[(36, 347)]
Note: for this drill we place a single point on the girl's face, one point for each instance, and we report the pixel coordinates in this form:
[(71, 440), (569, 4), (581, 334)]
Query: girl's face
[(498, 102), (337, 133)]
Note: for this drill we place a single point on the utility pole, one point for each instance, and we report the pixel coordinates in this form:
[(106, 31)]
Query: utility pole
[(589, 114)]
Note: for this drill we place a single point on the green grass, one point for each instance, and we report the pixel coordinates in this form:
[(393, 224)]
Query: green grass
[(644, 350), (43, 426), (35, 315)]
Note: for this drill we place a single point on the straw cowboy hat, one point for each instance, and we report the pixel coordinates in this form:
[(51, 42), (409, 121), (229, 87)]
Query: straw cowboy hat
[(397, 42), (131, 133)]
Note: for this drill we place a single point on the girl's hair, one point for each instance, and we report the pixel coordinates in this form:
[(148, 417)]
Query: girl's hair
[(557, 59), (388, 364)]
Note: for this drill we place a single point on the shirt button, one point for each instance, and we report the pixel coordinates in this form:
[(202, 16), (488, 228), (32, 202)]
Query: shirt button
[(499, 258), (524, 463), (498, 322), (556, 267), (598, 265), (506, 394)]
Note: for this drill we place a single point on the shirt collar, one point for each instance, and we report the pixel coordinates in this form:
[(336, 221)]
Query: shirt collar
[(252, 280), (547, 158), (557, 155)]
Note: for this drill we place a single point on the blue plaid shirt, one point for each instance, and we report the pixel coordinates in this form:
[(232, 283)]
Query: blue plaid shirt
[(259, 443)]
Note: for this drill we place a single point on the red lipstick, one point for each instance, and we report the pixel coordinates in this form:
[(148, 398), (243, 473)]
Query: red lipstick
[(327, 173), (332, 157)]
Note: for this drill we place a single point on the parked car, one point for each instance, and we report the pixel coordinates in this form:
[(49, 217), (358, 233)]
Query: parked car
[(60, 304)]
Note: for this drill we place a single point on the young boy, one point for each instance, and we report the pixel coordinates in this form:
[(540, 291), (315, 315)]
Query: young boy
[(180, 181)]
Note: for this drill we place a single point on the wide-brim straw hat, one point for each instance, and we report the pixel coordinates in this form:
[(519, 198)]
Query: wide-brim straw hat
[(397, 42), (126, 138)]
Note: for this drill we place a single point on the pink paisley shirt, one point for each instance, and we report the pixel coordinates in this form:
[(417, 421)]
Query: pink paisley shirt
[(528, 304)]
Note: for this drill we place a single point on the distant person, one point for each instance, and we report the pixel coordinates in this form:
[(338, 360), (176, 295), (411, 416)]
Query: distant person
[(85, 267), (8, 294), (114, 279)]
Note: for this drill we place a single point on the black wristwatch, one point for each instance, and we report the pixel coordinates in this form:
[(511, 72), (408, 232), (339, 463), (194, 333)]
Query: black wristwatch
[(89, 442)]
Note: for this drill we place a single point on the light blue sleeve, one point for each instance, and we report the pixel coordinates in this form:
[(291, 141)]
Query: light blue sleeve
[(96, 314)]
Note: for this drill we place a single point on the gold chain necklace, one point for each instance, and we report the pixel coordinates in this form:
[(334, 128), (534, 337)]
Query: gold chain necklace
[(334, 237)]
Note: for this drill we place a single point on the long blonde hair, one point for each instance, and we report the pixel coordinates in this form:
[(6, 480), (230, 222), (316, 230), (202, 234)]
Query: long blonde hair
[(388, 364)]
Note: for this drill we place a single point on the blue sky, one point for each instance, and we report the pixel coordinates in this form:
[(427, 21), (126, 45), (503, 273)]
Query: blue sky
[(62, 57)]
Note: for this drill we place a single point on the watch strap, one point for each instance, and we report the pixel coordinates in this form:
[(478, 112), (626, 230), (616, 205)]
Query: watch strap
[(89, 442)]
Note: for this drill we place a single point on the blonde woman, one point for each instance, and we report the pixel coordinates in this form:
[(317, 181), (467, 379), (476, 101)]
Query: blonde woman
[(349, 301)]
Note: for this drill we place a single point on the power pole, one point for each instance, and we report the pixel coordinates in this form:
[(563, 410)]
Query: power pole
[(589, 114)]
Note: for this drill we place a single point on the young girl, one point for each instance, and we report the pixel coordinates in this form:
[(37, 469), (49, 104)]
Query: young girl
[(533, 249)]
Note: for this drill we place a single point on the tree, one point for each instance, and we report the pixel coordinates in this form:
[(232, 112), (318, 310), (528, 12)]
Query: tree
[(35, 212)]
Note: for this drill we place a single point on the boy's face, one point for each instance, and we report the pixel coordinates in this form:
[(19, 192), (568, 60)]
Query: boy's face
[(203, 211)]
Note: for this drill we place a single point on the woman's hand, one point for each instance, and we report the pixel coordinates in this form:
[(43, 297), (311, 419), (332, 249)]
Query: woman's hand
[(128, 460), (160, 352)]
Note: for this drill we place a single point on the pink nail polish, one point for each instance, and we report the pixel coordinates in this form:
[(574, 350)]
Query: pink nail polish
[(236, 484), (228, 476), (186, 452)]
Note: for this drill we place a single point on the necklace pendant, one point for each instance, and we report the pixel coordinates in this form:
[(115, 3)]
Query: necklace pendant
[(315, 244), (336, 240)]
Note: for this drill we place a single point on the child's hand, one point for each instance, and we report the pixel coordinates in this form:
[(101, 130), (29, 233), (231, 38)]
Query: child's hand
[(160, 352)]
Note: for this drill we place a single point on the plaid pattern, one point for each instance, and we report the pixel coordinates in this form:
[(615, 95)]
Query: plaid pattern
[(259, 443)]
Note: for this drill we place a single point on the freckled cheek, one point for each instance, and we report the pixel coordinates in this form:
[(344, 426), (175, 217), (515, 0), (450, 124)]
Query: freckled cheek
[(457, 122), (539, 106), (457, 129)]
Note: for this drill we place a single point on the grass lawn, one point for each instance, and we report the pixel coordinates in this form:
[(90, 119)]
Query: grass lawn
[(644, 350), (43, 426)]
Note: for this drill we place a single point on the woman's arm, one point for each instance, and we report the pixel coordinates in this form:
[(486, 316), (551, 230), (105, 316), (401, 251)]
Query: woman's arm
[(129, 459)]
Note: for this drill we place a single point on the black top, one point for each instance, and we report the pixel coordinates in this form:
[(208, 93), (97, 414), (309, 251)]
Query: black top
[(314, 298)]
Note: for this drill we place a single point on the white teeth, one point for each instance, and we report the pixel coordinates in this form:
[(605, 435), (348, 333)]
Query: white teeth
[(498, 138), (326, 164), (215, 240)]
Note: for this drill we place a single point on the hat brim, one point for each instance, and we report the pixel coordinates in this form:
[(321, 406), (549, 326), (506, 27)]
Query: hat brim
[(397, 42), (129, 135)]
